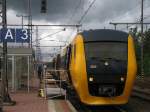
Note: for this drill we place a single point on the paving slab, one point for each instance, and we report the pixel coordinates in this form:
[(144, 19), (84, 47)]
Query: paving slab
[(60, 106), (55, 91), (27, 102)]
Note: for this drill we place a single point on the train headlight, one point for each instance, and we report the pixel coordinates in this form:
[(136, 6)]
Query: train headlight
[(91, 79), (122, 79), (106, 63)]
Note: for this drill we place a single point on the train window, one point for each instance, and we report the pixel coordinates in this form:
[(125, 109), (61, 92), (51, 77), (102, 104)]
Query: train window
[(114, 50)]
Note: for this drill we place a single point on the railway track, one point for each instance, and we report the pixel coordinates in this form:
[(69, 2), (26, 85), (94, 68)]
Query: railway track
[(103, 109), (80, 107), (142, 89), (143, 94), (143, 82), (83, 108), (139, 104)]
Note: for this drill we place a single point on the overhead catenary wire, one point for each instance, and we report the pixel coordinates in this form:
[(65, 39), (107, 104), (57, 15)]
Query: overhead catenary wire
[(91, 3), (73, 15), (138, 19), (85, 13), (137, 23), (74, 12), (48, 35)]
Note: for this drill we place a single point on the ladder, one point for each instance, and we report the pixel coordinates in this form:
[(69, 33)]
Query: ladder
[(52, 86)]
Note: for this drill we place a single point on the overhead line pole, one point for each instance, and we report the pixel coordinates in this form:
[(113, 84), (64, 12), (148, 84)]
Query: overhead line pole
[(4, 75), (142, 42), (5, 94), (47, 36), (30, 21), (142, 36)]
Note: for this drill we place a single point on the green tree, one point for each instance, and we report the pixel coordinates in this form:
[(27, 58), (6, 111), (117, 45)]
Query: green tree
[(146, 49)]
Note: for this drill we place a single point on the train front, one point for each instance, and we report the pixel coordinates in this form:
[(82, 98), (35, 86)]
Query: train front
[(110, 67)]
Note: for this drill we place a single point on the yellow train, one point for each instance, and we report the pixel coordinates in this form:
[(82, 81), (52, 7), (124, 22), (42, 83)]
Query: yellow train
[(102, 66)]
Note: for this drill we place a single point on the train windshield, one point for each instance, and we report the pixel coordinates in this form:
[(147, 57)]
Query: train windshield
[(104, 50)]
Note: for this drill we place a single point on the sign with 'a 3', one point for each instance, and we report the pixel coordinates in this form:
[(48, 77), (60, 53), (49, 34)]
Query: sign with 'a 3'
[(15, 35)]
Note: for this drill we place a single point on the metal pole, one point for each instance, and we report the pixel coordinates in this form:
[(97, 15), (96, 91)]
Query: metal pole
[(5, 94), (31, 30), (146, 27), (142, 42), (28, 74), (115, 25), (29, 18), (4, 75), (22, 21), (13, 73), (127, 26), (22, 25)]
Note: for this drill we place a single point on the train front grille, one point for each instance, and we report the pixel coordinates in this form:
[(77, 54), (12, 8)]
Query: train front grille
[(105, 90), (106, 66)]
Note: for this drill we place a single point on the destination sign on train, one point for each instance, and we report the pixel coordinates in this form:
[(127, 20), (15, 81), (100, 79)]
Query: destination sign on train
[(15, 35)]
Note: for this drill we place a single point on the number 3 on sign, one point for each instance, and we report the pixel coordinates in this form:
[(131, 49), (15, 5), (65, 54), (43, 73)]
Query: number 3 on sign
[(25, 34)]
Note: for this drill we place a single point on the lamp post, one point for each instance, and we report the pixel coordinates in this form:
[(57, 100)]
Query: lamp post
[(22, 16)]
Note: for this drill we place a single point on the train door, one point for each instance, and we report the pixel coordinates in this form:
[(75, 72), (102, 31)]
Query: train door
[(68, 61), (68, 57)]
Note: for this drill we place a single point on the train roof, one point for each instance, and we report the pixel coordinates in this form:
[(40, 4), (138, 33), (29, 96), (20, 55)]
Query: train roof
[(104, 35)]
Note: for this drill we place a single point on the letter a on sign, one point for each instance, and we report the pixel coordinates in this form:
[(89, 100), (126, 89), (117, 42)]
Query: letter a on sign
[(8, 35)]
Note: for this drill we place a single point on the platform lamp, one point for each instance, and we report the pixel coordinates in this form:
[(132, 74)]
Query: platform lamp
[(22, 16), (22, 22)]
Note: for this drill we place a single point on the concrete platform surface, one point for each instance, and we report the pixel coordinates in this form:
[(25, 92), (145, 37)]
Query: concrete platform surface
[(27, 102), (31, 102), (55, 91), (60, 106)]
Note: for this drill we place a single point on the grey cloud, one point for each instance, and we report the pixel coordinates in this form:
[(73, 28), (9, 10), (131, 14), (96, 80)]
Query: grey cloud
[(61, 10), (57, 10), (110, 9)]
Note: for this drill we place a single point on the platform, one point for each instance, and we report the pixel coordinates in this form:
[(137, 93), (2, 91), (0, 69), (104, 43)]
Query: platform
[(60, 106), (55, 93), (31, 102), (51, 91), (27, 102)]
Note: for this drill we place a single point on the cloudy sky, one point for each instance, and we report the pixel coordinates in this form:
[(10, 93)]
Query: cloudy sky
[(70, 12)]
